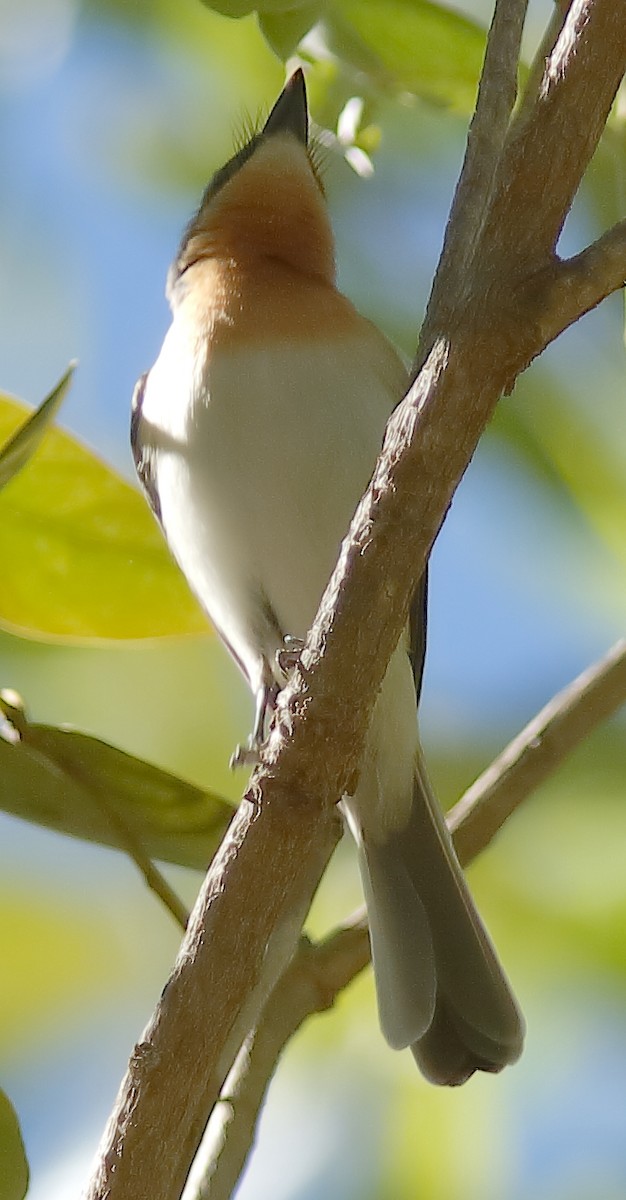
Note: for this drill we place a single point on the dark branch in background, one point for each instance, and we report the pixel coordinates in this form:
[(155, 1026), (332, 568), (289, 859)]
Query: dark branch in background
[(318, 973), (283, 834)]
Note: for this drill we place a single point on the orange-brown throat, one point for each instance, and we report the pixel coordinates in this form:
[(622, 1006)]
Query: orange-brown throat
[(272, 208)]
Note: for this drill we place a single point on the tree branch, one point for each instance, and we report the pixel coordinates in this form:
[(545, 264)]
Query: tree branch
[(575, 285), (313, 980), (319, 973), (15, 727), (538, 66), (284, 831), (497, 92), (534, 754), (546, 155)]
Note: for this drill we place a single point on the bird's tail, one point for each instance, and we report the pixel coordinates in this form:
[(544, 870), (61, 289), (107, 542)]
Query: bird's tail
[(440, 987)]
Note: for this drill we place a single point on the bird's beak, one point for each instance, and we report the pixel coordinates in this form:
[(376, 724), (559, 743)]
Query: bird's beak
[(290, 113)]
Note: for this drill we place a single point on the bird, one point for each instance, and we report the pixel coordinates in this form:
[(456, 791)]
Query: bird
[(254, 435)]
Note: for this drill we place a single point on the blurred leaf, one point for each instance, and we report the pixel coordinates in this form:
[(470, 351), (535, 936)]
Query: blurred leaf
[(573, 456), (22, 445), (82, 557), (284, 30), (573, 895), (62, 957), (13, 1164), (81, 786), (231, 8), (241, 8), (410, 45)]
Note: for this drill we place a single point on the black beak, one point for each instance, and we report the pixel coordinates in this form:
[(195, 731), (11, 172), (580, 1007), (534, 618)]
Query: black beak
[(290, 113)]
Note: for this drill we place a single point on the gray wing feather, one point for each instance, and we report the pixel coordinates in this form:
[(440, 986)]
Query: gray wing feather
[(142, 454), (418, 615)]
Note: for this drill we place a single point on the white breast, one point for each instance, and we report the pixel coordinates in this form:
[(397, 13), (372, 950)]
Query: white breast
[(262, 456)]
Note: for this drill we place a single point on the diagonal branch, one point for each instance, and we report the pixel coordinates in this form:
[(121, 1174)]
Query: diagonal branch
[(535, 753), (16, 728), (280, 839), (319, 973)]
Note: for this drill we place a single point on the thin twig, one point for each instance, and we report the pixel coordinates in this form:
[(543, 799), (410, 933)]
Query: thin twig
[(575, 285), (538, 66), (12, 712), (313, 980), (535, 753), (319, 973), (497, 93), (131, 845), (540, 169)]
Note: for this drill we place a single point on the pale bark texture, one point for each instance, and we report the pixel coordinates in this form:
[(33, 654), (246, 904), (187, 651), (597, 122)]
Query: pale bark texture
[(485, 323)]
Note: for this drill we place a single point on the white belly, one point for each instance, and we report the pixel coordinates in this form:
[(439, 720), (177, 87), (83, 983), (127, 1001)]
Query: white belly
[(260, 467)]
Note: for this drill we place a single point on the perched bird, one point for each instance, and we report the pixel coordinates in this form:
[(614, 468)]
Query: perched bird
[(255, 434)]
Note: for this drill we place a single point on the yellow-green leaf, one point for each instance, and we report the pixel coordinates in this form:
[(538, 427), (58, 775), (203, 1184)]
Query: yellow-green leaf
[(81, 557), (412, 46), (284, 30), (81, 786), (13, 1164)]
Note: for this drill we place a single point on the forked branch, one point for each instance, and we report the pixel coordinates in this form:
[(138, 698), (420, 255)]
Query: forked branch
[(284, 832), (319, 973)]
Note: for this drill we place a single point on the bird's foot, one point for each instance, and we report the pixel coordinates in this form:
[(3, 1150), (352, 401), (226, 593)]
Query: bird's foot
[(246, 755), (289, 656), (249, 754)]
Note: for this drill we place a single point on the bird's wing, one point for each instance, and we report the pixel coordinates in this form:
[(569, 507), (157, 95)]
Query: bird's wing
[(141, 452), (396, 373)]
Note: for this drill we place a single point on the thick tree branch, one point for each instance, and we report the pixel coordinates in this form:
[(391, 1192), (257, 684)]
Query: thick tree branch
[(220, 979), (258, 888), (319, 973)]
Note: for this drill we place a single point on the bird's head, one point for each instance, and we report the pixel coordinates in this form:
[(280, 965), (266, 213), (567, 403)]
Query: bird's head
[(266, 203)]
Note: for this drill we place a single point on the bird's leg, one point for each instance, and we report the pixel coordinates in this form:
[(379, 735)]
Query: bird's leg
[(289, 656), (248, 755)]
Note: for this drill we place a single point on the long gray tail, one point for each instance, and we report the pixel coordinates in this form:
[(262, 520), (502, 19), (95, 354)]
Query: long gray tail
[(440, 987)]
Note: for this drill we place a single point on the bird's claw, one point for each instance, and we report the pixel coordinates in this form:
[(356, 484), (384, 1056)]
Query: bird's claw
[(289, 656), (247, 755)]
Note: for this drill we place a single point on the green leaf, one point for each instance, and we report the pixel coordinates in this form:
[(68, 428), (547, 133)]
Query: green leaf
[(231, 8), (411, 46), (241, 8), (81, 786), (22, 445), (13, 1164), (284, 30), (82, 557)]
